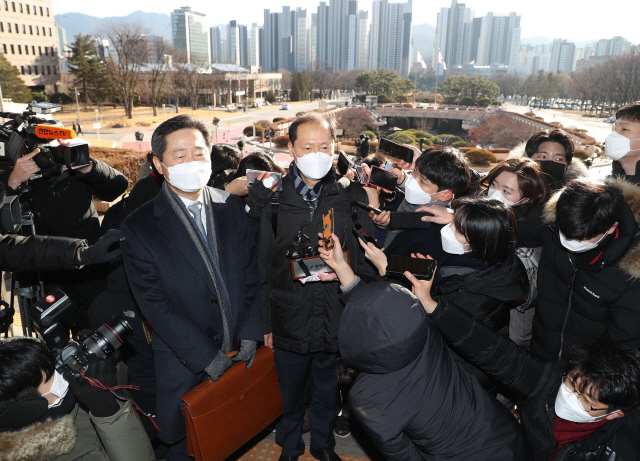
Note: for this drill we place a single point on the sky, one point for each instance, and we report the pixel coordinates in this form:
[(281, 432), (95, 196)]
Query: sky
[(577, 21)]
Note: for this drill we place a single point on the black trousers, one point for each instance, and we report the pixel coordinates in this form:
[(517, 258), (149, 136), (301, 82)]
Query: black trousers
[(293, 370)]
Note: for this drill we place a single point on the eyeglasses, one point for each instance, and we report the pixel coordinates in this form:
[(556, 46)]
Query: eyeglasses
[(579, 396)]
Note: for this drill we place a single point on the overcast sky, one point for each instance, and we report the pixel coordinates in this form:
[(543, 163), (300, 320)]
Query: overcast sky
[(542, 18)]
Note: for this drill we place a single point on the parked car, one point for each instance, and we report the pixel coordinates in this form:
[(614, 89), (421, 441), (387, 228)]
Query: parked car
[(285, 107)]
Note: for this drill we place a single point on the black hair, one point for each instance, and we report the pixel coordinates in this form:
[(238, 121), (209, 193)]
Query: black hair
[(557, 135), (179, 122), (587, 208), (375, 160), (630, 112), (22, 362), (488, 225), (610, 373), (328, 123), (446, 168), (257, 161), (346, 376), (531, 181), (224, 157)]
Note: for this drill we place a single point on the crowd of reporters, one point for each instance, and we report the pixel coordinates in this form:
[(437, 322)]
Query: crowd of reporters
[(533, 301)]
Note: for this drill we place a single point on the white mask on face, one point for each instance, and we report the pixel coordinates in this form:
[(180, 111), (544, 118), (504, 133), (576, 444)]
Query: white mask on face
[(496, 194), (578, 246), (617, 146), (450, 243), (314, 165), (569, 408), (190, 176), (414, 194), (59, 388)]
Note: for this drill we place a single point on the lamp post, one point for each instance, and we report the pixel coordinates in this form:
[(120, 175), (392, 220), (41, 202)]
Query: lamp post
[(97, 123), (164, 117), (77, 104)]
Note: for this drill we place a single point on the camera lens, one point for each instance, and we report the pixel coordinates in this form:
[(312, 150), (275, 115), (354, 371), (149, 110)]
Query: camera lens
[(108, 337)]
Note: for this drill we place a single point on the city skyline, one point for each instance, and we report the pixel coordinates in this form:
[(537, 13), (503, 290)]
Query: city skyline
[(543, 19)]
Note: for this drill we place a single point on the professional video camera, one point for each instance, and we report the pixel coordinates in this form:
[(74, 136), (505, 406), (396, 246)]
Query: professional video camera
[(70, 355), (22, 133)]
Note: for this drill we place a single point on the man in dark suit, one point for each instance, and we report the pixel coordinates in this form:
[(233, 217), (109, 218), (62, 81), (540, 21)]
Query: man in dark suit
[(190, 261)]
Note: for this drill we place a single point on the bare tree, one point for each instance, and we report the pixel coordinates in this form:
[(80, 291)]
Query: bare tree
[(193, 80), (127, 41), (157, 58)]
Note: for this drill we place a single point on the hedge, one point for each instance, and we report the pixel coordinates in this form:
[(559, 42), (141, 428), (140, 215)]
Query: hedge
[(480, 157)]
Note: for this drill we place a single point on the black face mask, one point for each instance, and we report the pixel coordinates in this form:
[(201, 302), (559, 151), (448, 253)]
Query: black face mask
[(554, 169)]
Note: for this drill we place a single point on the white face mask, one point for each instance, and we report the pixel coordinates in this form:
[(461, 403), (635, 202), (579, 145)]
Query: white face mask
[(617, 146), (190, 176), (314, 165), (496, 194), (414, 194), (450, 243), (59, 388), (578, 246), (569, 408)]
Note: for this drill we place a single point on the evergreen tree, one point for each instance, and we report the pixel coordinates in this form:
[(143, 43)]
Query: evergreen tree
[(300, 86), (12, 85), (89, 71)]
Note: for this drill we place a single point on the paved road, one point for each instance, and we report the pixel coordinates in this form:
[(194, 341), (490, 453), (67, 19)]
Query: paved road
[(596, 127), (229, 128)]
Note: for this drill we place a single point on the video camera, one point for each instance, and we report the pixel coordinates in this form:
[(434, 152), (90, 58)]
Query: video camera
[(70, 355), (23, 133)]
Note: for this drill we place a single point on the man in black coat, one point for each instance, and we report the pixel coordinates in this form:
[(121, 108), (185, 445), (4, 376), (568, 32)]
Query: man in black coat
[(588, 275), (413, 398), (63, 206), (190, 260), (623, 144), (581, 409), (301, 319)]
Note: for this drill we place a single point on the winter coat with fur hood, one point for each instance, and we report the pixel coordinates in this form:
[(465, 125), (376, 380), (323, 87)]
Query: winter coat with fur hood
[(592, 296), (79, 436)]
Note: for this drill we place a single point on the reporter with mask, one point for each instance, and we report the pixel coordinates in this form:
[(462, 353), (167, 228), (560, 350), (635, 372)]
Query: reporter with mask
[(47, 416)]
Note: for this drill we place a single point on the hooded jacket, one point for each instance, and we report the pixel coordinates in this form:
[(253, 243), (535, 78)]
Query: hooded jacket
[(538, 381), (591, 296), (411, 396), (80, 436)]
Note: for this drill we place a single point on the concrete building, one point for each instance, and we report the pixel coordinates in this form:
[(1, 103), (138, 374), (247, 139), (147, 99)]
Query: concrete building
[(190, 33), (233, 43), (352, 36), (254, 46), (363, 39), (28, 40), (215, 45), (302, 40), (322, 37), (453, 35), (499, 40), (374, 35), (562, 56)]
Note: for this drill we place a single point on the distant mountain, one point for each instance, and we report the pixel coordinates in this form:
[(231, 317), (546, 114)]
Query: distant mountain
[(423, 37), (78, 23)]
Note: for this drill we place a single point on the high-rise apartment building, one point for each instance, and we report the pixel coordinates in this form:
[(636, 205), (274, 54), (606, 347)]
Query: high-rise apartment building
[(499, 40), (562, 56), (390, 36), (322, 39), (233, 43), (254, 46), (363, 39), (302, 39), (215, 44), (190, 33), (351, 35), (28, 40)]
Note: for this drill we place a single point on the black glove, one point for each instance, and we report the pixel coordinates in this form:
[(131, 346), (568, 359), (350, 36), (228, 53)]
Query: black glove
[(247, 352), (100, 402), (258, 197), (218, 366), (99, 253)]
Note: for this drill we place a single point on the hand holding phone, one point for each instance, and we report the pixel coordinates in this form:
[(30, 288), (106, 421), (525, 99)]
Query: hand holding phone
[(384, 179), (394, 150), (421, 269), (327, 229), (368, 207)]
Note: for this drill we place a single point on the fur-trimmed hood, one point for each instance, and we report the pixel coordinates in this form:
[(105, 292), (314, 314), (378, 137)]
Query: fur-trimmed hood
[(40, 441), (577, 168), (630, 262)]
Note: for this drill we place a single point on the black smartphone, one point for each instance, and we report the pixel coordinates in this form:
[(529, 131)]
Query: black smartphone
[(398, 151), (368, 207), (384, 179), (343, 164), (363, 235), (409, 220), (422, 269)]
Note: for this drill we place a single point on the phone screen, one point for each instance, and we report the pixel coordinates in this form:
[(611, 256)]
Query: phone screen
[(363, 235), (343, 163), (383, 179), (420, 268)]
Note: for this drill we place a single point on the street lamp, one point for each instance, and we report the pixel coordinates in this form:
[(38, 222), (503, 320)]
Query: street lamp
[(164, 117), (97, 125)]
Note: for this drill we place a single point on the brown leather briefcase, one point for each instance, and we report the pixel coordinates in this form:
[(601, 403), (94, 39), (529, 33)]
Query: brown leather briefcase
[(223, 415)]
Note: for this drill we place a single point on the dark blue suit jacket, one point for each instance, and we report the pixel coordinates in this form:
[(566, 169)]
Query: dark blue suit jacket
[(175, 293)]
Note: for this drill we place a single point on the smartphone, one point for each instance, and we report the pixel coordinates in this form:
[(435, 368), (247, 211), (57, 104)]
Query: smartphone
[(363, 178), (343, 163), (422, 269), (269, 181), (368, 207), (327, 229), (408, 220), (363, 235), (392, 149), (384, 179)]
